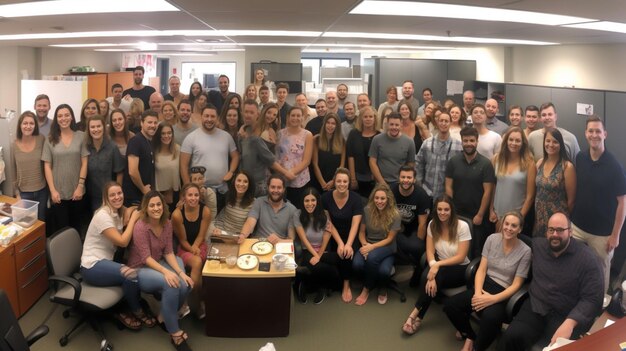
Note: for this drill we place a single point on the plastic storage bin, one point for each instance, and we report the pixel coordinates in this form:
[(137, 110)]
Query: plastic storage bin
[(24, 213)]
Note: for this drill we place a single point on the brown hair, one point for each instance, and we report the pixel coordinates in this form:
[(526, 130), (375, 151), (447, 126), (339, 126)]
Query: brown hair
[(25, 114)]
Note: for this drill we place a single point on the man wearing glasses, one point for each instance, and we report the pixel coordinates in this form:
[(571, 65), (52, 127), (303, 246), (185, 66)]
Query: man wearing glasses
[(565, 291)]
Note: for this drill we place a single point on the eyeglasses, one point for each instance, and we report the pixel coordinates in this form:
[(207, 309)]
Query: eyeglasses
[(559, 231)]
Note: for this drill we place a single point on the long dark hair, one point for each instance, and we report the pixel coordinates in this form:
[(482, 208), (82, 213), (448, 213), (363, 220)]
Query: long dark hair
[(55, 130), (436, 226), (192, 98), (248, 196), (229, 98), (318, 218), (556, 134), (156, 141)]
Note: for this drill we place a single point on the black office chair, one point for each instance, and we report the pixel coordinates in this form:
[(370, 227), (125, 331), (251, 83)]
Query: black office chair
[(12, 337), (64, 250)]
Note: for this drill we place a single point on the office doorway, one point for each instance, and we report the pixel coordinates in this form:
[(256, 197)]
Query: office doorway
[(163, 69)]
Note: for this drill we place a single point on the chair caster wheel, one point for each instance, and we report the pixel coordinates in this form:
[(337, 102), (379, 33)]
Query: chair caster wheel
[(106, 346), (66, 314), (63, 341), (403, 298)]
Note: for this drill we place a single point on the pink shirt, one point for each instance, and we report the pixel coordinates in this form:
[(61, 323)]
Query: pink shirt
[(146, 244)]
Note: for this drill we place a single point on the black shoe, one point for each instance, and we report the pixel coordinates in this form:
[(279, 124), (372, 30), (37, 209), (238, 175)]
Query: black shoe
[(301, 293), (319, 297)]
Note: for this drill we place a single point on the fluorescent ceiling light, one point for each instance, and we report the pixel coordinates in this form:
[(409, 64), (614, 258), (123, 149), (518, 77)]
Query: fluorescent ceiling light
[(423, 9), (393, 36), (71, 7), (601, 25), (158, 33)]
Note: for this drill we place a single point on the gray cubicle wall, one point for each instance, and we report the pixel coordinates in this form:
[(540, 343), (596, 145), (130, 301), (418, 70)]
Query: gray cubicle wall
[(432, 74), (564, 99), (615, 112)]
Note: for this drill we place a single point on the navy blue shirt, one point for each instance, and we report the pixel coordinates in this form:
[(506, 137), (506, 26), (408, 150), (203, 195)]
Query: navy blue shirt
[(598, 184)]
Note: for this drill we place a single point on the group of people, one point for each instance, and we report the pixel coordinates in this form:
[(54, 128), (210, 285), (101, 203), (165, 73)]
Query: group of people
[(353, 184)]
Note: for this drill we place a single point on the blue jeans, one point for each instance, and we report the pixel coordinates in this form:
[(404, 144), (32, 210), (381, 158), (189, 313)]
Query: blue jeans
[(40, 196), (153, 282), (107, 273), (377, 268)]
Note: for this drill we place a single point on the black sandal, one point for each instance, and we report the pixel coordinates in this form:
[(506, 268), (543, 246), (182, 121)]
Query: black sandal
[(180, 341)]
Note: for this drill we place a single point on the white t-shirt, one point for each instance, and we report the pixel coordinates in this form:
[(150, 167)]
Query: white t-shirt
[(446, 249), (489, 144), (124, 105), (97, 246)]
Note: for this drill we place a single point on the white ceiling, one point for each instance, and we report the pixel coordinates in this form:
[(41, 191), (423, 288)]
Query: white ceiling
[(320, 15)]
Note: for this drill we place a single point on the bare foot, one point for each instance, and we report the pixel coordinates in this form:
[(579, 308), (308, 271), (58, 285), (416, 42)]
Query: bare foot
[(346, 293), (468, 346), (362, 298)]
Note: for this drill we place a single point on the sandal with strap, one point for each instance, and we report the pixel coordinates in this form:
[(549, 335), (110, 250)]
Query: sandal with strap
[(128, 320), (180, 341), (147, 320), (412, 325)]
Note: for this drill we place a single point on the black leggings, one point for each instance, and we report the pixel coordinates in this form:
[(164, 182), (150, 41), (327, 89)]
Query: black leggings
[(458, 308), (325, 273), (447, 277)]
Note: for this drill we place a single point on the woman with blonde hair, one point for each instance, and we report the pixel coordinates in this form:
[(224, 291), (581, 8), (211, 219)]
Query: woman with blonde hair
[(134, 115), (515, 170), (374, 260), (169, 113), (329, 152), (447, 245)]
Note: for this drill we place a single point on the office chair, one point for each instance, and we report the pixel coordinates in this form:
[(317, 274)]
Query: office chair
[(64, 250), (12, 338)]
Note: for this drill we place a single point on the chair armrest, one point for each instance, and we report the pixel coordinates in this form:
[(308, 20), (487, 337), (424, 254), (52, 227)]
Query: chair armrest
[(515, 302), (75, 284), (37, 334), (470, 272)]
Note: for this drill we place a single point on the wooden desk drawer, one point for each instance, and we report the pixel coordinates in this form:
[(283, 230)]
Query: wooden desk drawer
[(27, 272), (32, 290), (29, 247)]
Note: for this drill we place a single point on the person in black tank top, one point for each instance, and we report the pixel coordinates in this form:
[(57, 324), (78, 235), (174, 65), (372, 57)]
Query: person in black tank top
[(191, 222)]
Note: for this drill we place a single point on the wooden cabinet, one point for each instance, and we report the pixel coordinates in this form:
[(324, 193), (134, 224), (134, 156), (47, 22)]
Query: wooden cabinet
[(8, 276), (99, 84), (24, 269)]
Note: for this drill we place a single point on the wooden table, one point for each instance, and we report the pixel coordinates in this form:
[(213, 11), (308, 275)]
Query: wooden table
[(605, 339), (247, 303)]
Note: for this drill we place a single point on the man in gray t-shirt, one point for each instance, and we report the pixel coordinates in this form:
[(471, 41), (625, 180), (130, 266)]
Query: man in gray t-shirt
[(271, 217), (390, 151), (209, 147)]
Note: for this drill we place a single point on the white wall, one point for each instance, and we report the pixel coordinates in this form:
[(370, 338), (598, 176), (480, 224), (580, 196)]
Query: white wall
[(581, 66), (9, 83), (237, 57), (56, 61)]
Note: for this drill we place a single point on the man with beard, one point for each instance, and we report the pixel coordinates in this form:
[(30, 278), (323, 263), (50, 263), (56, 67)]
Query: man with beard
[(138, 179), (210, 147), (271, 217), (138, 90), (342, 95), (390, 151), (184, 126), (407, 93), (433, 158), (531, 117), (264, 96), (217, 98), (470, 179), (413, 204), (42, 107), (348, 124), (565, 292)]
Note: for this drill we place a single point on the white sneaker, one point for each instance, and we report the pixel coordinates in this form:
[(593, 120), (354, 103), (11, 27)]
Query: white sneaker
[(184, 311)]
